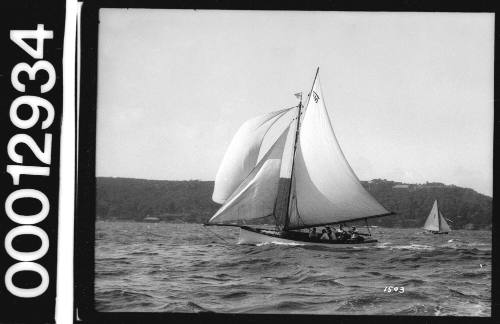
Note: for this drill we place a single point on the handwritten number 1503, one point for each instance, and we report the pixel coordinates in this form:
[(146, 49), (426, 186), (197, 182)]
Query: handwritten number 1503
[(394, 289)]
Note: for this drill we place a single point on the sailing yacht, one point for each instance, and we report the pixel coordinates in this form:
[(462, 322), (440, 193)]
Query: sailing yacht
[(303, 180), (435, 222)]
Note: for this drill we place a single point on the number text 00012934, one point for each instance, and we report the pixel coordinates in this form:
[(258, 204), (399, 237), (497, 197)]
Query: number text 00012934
[(26, 223)]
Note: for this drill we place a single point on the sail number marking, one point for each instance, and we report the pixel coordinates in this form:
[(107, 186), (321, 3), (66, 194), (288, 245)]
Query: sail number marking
[(42, 72)]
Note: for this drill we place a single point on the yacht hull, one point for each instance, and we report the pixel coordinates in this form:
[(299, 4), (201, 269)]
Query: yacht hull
[(255, 236), (435, 232)]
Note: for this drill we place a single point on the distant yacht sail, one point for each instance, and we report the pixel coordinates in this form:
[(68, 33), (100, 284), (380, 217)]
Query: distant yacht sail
[(304, 179), (435, 222)]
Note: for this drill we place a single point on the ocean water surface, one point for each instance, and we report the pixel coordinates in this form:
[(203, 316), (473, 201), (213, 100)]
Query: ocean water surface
[(163, 267)]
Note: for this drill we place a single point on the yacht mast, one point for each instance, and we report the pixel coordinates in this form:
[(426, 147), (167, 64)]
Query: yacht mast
[(287, 214), (439, 216)]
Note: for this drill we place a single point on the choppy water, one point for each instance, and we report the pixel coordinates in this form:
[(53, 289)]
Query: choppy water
[(183, 268)]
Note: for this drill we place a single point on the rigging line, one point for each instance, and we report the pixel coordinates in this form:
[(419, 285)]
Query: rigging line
[(367, 226), (276, 226), (221, 238), (312, 87), (297, 211), (276, 221)]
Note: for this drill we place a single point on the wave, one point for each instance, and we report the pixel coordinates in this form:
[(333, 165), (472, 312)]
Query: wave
[(291, 305), (413, 246), (419, 309), (143, 253), (234, 295), (482, 274), (123, 294), (456, 293), (112, 273), (319, 280), (411, 258), (356, 304), (189, 306), (412, 282)]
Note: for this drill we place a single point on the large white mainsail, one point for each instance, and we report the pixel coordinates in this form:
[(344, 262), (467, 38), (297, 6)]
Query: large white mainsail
[(242, 154), (326, 188), (255, 197)]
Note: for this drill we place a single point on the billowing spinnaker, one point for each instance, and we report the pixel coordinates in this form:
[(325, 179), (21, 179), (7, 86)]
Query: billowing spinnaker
[(326, 188), (255, 196), (242, 154), (432, 222), (444, 225)]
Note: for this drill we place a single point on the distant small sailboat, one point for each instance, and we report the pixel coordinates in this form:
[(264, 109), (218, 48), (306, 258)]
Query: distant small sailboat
[(303, 180), (435, 222)]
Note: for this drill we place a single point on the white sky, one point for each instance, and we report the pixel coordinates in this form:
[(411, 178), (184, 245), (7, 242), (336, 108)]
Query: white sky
[(410, 95)]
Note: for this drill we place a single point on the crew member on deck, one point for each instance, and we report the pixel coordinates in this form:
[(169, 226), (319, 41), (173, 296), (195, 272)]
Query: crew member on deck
[(329, 232), (353, 232), (338, 232), (342, 234), (313, 235), (355, 235), (324, 236)]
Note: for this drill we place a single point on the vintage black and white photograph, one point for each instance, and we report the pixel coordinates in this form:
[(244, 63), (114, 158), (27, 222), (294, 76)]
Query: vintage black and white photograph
[(294, 162)]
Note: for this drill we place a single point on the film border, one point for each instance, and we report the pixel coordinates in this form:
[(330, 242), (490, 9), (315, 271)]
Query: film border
[(85, 207)]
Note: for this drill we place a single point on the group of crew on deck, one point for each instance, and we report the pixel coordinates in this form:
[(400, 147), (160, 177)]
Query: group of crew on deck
[(339, 234)]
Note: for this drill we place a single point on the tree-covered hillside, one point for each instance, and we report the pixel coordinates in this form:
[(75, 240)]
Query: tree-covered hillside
[(190, 201), (464, 207)]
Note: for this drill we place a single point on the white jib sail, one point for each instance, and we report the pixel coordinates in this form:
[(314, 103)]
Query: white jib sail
[(327, 190), (444, 225), (256, 195), (242, 154), (432, 222)]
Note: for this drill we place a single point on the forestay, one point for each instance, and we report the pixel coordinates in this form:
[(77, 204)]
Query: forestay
[(256, 195), (242, 154), (326, 188)]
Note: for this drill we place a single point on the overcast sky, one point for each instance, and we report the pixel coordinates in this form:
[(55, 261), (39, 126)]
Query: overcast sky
[(410, 95)]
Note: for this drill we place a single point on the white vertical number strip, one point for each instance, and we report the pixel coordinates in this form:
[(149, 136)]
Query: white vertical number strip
[(46, 72)]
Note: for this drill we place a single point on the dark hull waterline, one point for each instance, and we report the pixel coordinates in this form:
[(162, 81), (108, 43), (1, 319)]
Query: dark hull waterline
[(434, 232)]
